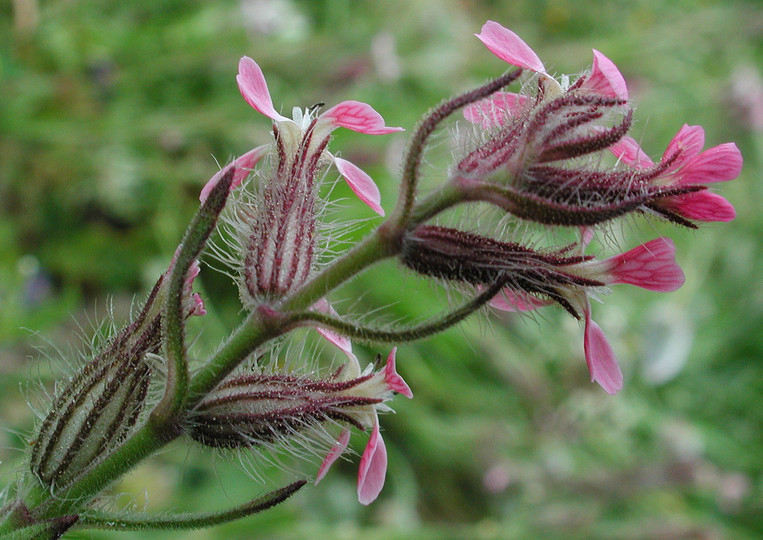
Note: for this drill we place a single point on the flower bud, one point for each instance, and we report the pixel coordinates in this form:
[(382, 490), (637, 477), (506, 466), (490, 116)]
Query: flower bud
[(99, 407), (273, 408)]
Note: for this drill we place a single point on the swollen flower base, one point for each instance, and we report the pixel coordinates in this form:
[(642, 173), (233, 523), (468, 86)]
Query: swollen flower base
[(539, 156)]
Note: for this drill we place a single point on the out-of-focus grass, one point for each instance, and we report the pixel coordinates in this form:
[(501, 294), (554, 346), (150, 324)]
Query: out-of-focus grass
[(111, 119)]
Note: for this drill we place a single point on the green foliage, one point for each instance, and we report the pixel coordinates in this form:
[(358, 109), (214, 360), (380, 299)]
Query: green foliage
[(113, 114)]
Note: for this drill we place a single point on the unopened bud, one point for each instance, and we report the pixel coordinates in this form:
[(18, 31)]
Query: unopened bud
[(99, 407), (257, 409)]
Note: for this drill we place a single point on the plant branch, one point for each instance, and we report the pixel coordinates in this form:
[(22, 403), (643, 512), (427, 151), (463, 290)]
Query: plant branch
[(189, 521), (426, 127), (371, 335), (194, 240)]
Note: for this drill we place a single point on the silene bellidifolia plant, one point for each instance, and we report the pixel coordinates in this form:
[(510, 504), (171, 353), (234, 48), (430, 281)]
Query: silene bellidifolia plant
[(555, 155)]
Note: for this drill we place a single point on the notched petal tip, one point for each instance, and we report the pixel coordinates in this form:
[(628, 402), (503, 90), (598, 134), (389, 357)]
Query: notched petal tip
[(717, 164), (373, 468), (393, 379), (509, 47), (600, 358), (361, 184), (358, 116), (254, 89)]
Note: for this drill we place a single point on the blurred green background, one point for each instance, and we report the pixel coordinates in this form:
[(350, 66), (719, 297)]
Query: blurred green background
[(112, 115)]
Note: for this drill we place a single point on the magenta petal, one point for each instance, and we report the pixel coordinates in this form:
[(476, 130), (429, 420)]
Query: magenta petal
[(362, 184), (337, 450), (358, 116), (688, 141), (254, 89), (509, 300), (629, 152), (702, 206), (509, 47), (244, 164), (496, 109), (600, 358), (393, 379), (650, 266), (373, 468), (717, 164), (605, 79)]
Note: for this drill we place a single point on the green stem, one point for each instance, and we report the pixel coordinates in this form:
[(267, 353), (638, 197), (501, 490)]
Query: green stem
[(44, 505), (260, 327), (194, 240), (370, 335), (189, 521), (416, 145)]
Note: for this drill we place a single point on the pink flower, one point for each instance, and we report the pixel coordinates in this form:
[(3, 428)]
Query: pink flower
[(274, 407), (382, 385), (306, 135), (604, 79), (685, 166), (534, 279), (651, 266)]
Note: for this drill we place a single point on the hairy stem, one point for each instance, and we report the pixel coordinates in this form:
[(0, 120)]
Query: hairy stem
[(190, 521), (376, 335), (194, 240), (426, 127)]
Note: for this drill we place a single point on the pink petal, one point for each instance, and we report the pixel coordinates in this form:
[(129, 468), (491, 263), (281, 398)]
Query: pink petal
[(362, 184), (342, 342), (244, 164), (510, 300), (586, 236), (373, 468), (393, 379), (651, 266), (251, 83), (600, 359), (509, 47), (688, 141), (337, 450), (717, 164), (702, 206), (629, 152), (494, 110), (358, 116), (198, 306), (605, 79)]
